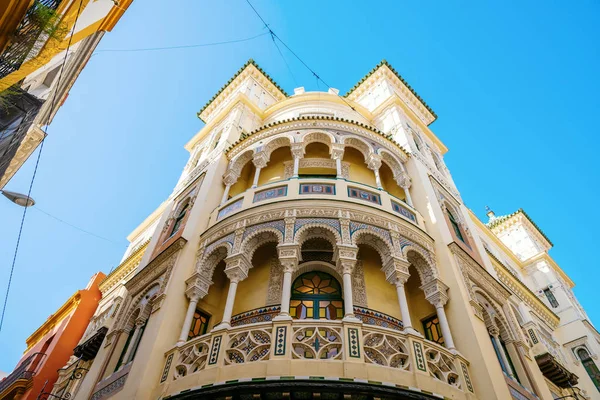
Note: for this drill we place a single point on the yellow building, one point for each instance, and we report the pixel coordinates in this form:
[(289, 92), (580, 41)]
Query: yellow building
[(316, 246), (36, 38)]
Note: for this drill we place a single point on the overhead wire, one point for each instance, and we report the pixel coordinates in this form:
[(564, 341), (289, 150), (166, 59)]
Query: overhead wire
[(37, 162), (188, 46), (75, 226), (274, 36)]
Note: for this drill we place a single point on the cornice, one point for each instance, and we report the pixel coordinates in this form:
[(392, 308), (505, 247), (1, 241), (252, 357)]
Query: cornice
[(501, 223), (421, 109), (124, 269), (525, 294), (63, 312), (250, 68), (546, 257), (492, 236), (305, 123), (153, 265)]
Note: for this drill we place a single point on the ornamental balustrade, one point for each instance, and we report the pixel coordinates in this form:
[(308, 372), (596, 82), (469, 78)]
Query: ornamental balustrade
[(318, 341), (318, 188)]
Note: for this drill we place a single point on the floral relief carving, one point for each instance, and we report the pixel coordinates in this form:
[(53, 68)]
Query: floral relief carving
[(275, 283), (359, 292)]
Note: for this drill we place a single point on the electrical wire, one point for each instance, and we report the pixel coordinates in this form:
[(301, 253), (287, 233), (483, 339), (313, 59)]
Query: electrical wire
[(75, 226), (37, 162), (274, 36), (180, 47)]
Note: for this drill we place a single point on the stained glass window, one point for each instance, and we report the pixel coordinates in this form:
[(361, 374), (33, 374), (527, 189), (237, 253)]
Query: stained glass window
[(455, 227), (199, 324), (316, 295), (179, 219), (590, 366), (431, 326)]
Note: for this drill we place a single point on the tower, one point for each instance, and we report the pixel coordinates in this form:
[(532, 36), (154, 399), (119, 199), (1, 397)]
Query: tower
[(316, 246)]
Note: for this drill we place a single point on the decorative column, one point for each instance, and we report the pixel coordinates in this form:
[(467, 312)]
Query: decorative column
[(374, 163), (236, 270), (298, 153), (404, 181), (346, 259), (435, 293), (138, 325), (197, 288), (229, 179), (396, 273), (337, 153), (495, 334), (260, 161), (288, 257)]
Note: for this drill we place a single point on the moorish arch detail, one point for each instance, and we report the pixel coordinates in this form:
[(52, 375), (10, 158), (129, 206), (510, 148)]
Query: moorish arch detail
[(277, 225), (330, 224), (318, 137)]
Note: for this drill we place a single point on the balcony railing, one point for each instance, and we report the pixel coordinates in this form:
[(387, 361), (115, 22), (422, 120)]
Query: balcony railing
[(25, 371), (331, 345), (318, 188), (27, 35)]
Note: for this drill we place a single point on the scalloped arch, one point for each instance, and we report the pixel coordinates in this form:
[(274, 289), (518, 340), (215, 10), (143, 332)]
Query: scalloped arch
[(300, 236), (380, 244), (359, 144), (318, 136), (252, 242)]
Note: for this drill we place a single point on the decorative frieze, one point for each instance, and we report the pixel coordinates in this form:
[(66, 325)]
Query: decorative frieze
[(271, 193), (357, 193)]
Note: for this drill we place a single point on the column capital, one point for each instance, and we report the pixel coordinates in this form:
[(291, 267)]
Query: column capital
[(237, 267), (373, 161), (403, 180), (435, 292), (230, 177), (140, 321), (396, 268), (260, 159), (493, 330), (297, 150), (337, 151)]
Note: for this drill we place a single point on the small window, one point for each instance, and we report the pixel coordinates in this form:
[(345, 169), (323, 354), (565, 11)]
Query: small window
[(551, 298), (433, 332), (179, 219), (199, 324), (455, 226)]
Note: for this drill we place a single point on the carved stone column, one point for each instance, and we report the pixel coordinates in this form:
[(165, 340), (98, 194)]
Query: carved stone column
[(197, 288), (495, 334), (337, 154), (289, 254), (404, 181), (374, 163), (236, 270), (396, 273), (346, 259), (298, 153), (229, 179), (260, 161), (435, 293)]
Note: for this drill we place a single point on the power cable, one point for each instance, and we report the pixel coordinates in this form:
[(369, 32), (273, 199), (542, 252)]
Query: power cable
[(181, 46), (37, 162), (75, 226), (274, 35)]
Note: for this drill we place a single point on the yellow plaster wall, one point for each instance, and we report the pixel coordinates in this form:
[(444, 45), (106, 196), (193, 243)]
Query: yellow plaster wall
[(316, 150), (358, 169), (381, 295), (245, 180), (418, 306), (214, 302), (252, 291), (388, 182), (274, 171)]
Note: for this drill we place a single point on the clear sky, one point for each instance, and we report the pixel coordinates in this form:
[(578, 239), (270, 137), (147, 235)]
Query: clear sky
[(515, 85)]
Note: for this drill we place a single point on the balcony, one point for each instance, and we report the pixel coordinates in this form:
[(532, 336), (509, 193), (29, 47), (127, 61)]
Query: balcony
[(21, 378), (373, 350), (38, 21), (318, 189)]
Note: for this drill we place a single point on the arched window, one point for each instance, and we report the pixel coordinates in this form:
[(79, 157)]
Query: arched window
[(316, 295), (179, 219), (417, 140), (455, 226), (590, 366)]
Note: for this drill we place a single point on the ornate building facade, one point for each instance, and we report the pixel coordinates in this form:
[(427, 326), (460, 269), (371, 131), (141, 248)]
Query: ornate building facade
[(316, 246)]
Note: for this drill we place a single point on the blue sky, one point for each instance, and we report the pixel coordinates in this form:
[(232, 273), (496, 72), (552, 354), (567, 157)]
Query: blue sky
[(514, 84)]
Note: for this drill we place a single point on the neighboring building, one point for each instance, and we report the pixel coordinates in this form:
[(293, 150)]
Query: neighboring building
[(34, 35), (316, 246), (51, 345)]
